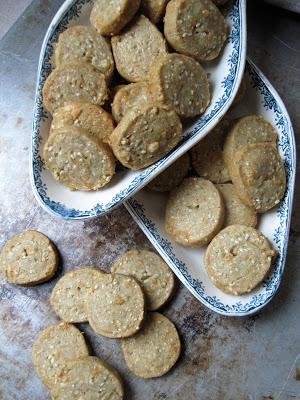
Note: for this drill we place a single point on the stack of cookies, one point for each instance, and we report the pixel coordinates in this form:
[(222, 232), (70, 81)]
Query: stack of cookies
[(160, 81)]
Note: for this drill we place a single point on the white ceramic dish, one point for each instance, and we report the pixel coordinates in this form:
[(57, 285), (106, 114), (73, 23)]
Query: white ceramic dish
[(147, 208), (225, 76)]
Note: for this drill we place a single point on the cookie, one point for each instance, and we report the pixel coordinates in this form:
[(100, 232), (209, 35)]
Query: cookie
[(181, 83), (137, 48), (154, 9), (74, 82), (84, 44), (88, 378), (194, 212), (145, 136), (78, 160), (238, 259), (259, 176), (55, 346), (172, 176), (116, 306), (154, 350), (247, 130), (207, 155), (94, 119), (29, 258), (110, 17), (195, 28), (69, 296), (135, 95), (151, 272), (236, 212)]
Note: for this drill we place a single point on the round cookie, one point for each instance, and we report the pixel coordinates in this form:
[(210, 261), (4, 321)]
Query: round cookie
[(181, 83), (135, 95), (172, 176), (236, 212), (88, 378), (247, 130), (71, 293), (238, 259), (258, 175), (116, 307), (94, 119), (137, 48), (29, 258), (154, 350), (78, 160), (145, 136), (74, 82), (194, 212), (84, 44), (207, 155), (151, 272), (110, 17), (154, 9), (53, 348), (195, 28)]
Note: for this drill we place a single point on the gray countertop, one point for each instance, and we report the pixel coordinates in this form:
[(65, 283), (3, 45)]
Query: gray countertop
[(251, 358)]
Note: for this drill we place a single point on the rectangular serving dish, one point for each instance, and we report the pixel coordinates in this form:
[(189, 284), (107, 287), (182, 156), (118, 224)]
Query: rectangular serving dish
[(225, 76)]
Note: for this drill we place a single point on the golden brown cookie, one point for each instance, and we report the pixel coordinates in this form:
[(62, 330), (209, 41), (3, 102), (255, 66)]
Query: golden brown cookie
[(154, 9)]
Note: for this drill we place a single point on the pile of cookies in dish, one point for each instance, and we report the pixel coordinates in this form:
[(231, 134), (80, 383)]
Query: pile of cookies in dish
[(160, 82), (239, 173)]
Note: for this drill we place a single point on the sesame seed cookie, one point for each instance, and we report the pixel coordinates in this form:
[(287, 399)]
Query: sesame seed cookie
[(194, 212), (137, 48), (195, 28), (238, 259), (78, 160), (207, 155), (84, 44), (259, 176), (110, 16), (74, 82), (29, 258), (55, 346), (181, 83), (116, 306), (145, 136), (70, 294), (154, 350), (172, 176), (151, 272), (89, 378), (154, 9), (236, 212)]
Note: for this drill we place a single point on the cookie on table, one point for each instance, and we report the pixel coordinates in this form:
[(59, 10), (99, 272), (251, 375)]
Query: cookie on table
[(247, 130), (135, 95), (238, 259), (94, 119), (207, 155), (236, 212), (137, 48), (181, 83), (88, 378), (78, 160), (194, 212), (145, 136), (84, 44), (70, 294), (74, 82), (195, 28), (172, 176), (154, 350), (259, 177), (55, 346), (151, 272), (116, 306), (29, 258), (110, 17), (154, 9)]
